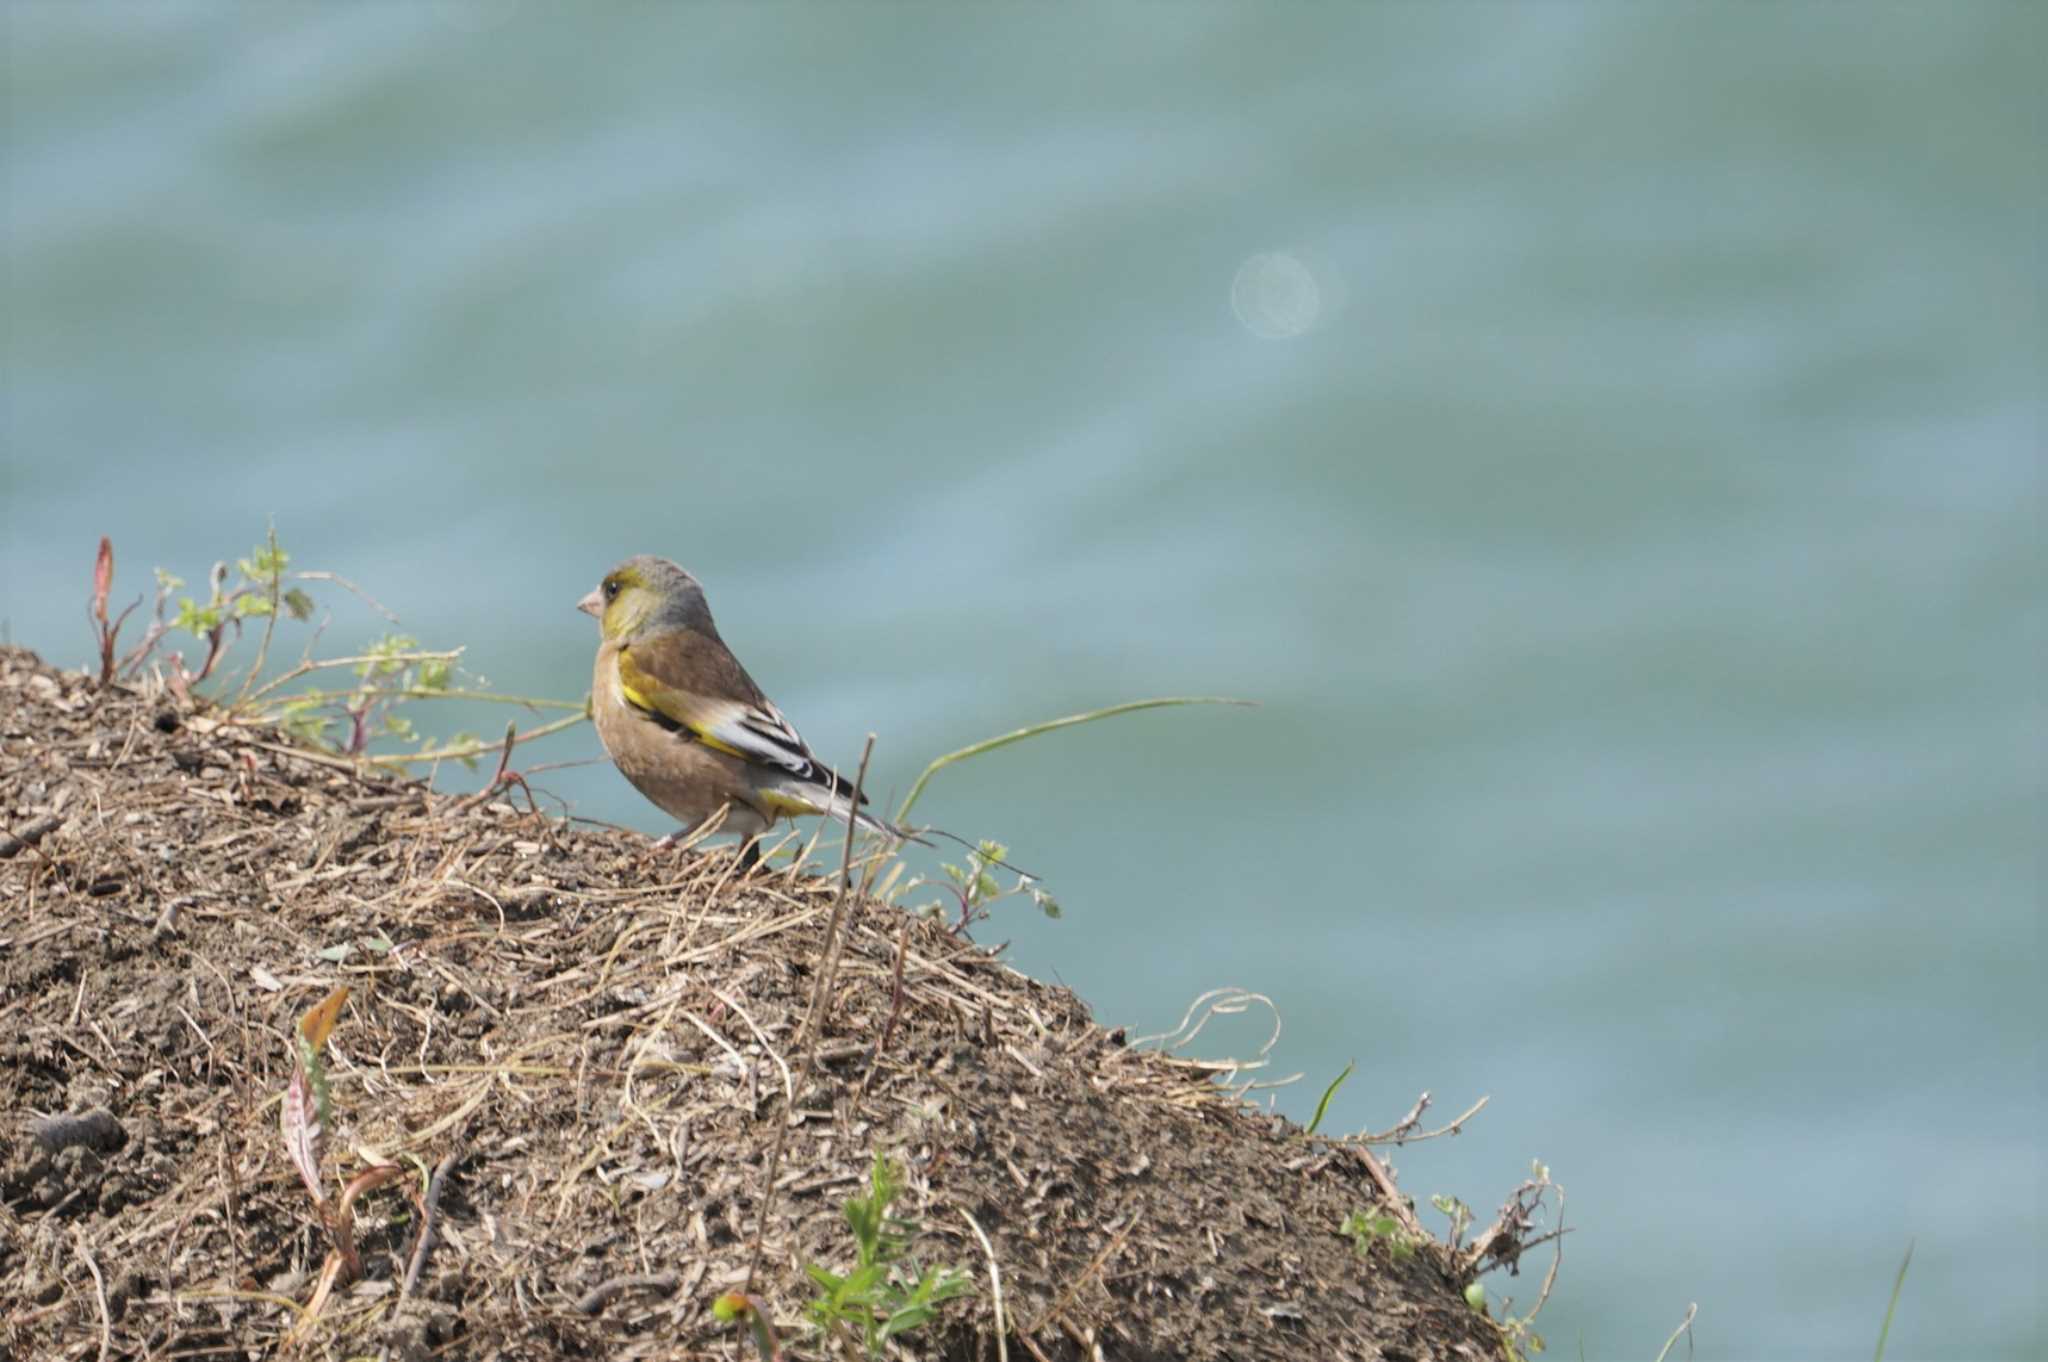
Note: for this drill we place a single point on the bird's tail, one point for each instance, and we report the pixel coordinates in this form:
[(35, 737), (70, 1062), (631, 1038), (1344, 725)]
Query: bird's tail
[(837, 804)]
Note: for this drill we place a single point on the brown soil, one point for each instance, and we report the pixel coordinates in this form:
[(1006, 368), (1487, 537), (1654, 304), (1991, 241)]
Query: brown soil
[(598, 1040)]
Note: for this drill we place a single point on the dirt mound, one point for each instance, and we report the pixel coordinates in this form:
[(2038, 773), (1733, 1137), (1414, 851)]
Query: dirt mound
[(594, 1044)]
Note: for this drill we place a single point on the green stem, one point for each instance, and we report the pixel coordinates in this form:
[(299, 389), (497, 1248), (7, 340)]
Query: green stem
[(269, 622), (448, 693), (303, 668), (1005, 739), (1897, 1286), (477, 749)]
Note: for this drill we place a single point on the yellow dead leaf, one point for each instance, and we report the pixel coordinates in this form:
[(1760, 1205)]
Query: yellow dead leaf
[(319, 1020)]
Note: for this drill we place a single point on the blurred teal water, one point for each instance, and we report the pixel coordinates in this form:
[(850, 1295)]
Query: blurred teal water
[(1606, 439)]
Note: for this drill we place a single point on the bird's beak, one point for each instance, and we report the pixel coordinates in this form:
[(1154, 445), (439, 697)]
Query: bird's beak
[(593, 604)]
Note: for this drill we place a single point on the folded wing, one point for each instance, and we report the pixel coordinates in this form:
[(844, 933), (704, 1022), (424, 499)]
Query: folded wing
[(686, 691)]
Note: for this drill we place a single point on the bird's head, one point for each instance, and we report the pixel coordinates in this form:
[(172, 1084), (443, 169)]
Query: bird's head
[(646, 594)]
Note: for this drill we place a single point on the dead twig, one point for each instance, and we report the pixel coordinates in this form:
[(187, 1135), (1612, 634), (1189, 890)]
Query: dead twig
[(1556, 1260), (1402, 1126), (1501, 1244), (1684, 1328), (25, 837), (503, 776), (605, 1292), (1389, 1192), (430, 1208), (1451, 1128)]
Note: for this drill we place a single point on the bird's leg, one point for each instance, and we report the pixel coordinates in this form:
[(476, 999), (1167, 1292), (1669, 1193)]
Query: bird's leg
[(750, 855), (663, 844)]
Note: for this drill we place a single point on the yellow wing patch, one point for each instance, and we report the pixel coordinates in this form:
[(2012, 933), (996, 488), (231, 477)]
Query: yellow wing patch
[(785, 803), (642, 701)]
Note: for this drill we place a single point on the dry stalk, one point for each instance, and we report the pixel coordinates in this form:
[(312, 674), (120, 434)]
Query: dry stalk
[(99, 1286), (430, 1209), (995, 1283), (1403, 1131), (814, 1022)]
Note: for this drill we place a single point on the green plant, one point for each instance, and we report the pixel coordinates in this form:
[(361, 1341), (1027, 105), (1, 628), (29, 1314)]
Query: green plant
[(1367, 1229), (303, 1117), (347, 721), (1519, 1340), (1501, 1244), (886, 1294), (976, 890), (1459, 1214), (1323, 1106), (737, 1307)]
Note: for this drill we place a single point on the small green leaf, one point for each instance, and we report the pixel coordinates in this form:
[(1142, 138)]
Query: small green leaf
[(298, 604), (1323, 1106), (197, 619), (906, 1319)]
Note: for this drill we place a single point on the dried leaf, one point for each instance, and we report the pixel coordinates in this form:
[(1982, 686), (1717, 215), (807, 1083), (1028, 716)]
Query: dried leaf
[(318, 1023)]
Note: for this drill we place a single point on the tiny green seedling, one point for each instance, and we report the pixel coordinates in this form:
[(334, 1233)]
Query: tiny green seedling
[(886, 1294), (1369, 1228), (737, 1307), (1459, 1214), (1323, 1107), (303, 1119)]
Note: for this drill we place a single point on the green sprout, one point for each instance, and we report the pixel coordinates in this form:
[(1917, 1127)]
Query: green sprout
[(886, 1294)]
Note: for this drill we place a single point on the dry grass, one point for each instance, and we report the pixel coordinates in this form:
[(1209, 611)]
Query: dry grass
[(591, 1047)]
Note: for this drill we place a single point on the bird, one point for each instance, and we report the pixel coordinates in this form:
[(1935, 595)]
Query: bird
[(682, 720)]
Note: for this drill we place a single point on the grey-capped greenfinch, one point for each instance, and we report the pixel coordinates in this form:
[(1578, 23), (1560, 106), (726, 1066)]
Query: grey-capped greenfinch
[(682, 720)]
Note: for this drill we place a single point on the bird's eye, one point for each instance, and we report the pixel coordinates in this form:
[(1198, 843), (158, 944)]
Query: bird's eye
[(611, 588)]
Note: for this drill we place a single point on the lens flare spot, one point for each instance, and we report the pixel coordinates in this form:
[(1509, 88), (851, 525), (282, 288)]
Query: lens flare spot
[(1275, 296)]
